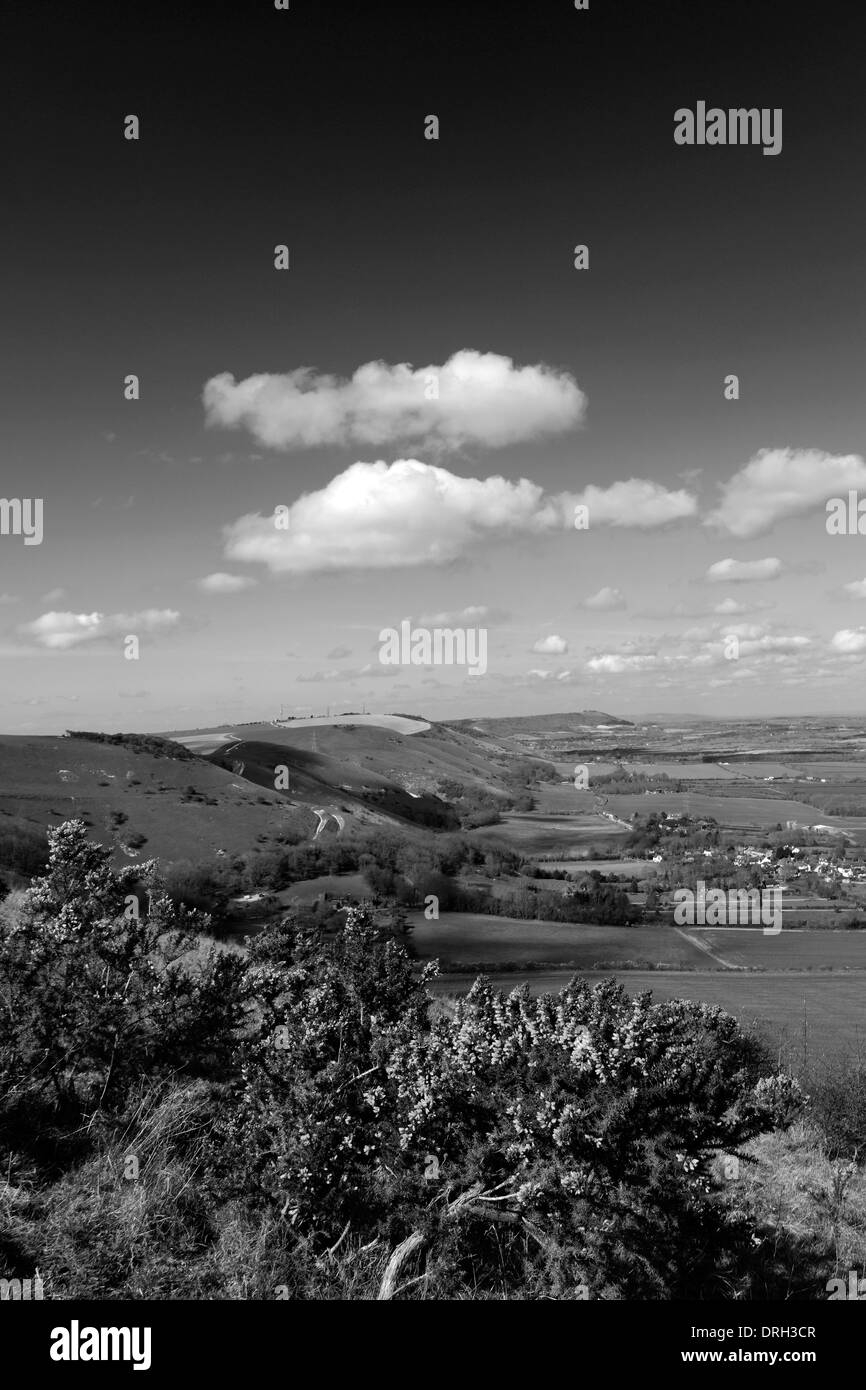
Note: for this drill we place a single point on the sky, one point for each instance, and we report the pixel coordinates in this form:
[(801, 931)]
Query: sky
[(429, 391)]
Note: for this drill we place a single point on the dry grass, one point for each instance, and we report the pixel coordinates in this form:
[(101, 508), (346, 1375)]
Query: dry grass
[(809, 1209)]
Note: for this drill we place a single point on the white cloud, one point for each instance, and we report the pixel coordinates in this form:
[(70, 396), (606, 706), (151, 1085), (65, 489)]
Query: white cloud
[(550, 646), (537, 674), (53, 596), (59, 631), (221, 583), (726, 607), (606, 600), (730, 607), (742, 571), (348, 674), (856, 589), (779, 483), (473, 616), (849, 640), (637, 502), (481, 398), (615, 663), (701, 649), (384, 516)]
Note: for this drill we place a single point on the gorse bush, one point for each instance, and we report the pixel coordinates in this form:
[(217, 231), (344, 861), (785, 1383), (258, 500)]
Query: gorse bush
[(92, 992), (565, 1141), (304, 1117)]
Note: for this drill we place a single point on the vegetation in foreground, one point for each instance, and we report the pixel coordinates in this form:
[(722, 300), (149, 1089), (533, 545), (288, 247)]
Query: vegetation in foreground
[(297, 1122)]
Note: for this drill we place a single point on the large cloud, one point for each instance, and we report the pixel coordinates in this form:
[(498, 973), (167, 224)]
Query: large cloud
[(780, 483), (59, 631), (473, 398), (383, 516)]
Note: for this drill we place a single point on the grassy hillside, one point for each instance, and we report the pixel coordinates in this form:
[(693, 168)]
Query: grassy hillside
[(153, 797), (184, 808), (416, 761)]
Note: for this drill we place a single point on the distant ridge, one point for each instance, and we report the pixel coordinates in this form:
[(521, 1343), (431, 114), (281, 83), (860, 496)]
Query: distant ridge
[(542, 723)]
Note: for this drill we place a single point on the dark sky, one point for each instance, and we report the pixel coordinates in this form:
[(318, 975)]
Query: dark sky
[(306, 127)]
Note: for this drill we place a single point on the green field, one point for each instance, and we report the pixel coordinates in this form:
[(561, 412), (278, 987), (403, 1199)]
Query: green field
[(732, 810), (468, 937), (626, 868), (790, 950), (532, 834)]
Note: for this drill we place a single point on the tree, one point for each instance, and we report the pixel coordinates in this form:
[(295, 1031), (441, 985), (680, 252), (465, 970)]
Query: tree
[(92, 989)]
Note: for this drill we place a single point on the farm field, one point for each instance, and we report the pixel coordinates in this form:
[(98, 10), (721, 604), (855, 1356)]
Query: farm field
[(685, 771), (757, 770), (552, 835), (337, 885), (834, 771), (830, 1010), (475, 937), (755, 811), (729, 810), (628, 868), (790, 950), (562, 798)]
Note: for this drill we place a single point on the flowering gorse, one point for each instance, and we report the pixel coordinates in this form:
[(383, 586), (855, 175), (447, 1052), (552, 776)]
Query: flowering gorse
[(583, 1123)]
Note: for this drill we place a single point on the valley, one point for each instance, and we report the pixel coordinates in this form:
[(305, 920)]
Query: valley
[(476, 831)]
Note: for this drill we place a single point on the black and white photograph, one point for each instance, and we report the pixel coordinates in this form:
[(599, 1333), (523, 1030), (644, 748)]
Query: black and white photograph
[(432, 655)]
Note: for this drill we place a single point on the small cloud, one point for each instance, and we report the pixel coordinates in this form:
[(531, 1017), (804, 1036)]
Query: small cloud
[(849, 640), (8, 598), (742, 571), (856, 589), (349, 674), (731, 608), (537, 674), (60, 631), (221, 583), (606, 600), (473, 616), (53, 596), (550, 646), (339, 653)]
